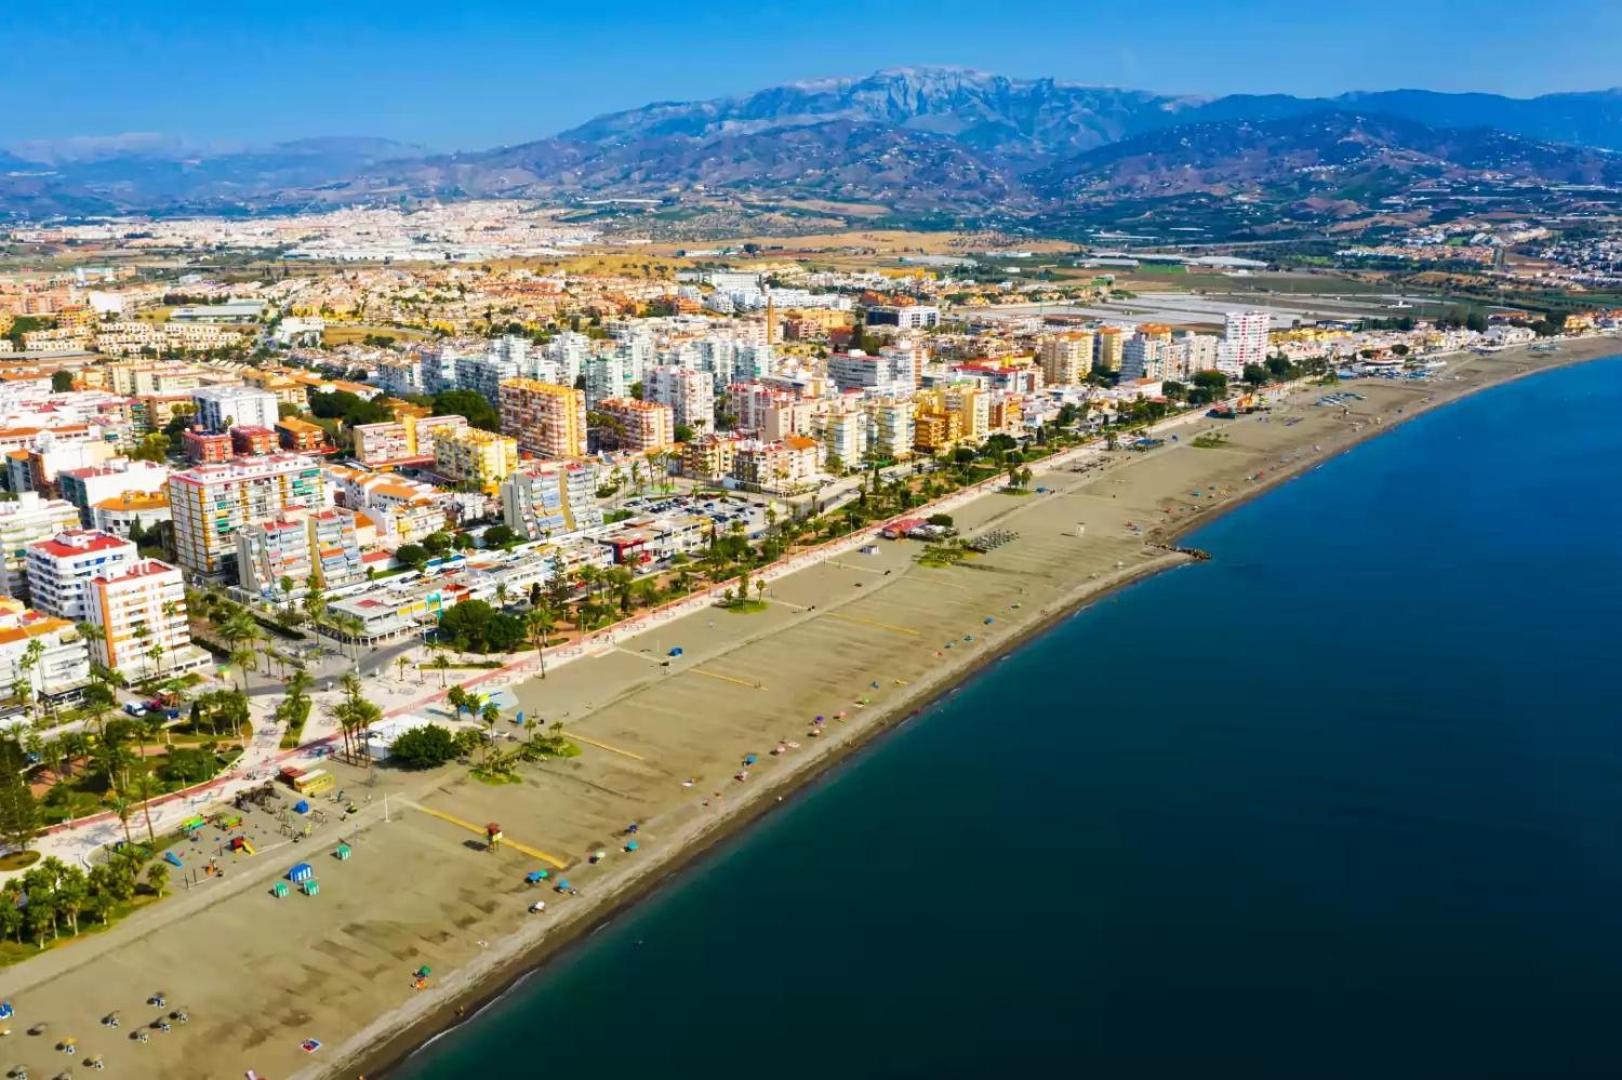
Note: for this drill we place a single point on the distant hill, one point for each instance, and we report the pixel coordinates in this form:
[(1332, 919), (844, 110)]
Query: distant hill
[(1328, 154), (912, 139)]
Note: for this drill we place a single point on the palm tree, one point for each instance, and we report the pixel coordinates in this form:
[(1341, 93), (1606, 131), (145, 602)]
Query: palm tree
[(121, 807), (146, 808), (32, 654), (540, 623), (490, 714)]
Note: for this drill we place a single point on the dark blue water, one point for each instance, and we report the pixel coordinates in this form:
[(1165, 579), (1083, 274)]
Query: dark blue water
[(1346, 801)]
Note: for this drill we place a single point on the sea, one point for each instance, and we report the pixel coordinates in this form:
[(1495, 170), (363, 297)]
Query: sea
[(1345, 801)]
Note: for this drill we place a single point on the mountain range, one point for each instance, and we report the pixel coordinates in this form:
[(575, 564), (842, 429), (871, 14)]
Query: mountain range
[(910, 140)]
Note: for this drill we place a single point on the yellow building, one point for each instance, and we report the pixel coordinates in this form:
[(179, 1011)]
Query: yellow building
[(474, 456), (1111, 348)]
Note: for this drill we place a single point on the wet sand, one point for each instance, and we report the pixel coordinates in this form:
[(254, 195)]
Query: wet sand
[(663, 746)]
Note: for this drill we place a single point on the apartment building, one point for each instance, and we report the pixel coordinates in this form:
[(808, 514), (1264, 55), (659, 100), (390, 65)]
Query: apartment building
[(485, 374), (300, 436), (408, 440), (119, 514), (606, 378), (1066, 358), (59, 569), (709, 457), (642, 427), (547, 420), (220, 408), (910, 317), (139, 613), (892, 430), (58, 668), (689, 394), (118, 476), (277, 558), (781, 467), (210, 503), (550, 499), (27, 519), (205, 447), (1111, 348), (890, 371), (472, 456), (248, 440), (1244, 340), (845, 439), (402, 511)]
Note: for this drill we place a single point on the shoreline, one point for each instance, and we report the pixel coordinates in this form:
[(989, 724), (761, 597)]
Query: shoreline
[(401, 1034)]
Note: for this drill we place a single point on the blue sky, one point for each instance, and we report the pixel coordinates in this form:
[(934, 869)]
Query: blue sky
[(470, 73)]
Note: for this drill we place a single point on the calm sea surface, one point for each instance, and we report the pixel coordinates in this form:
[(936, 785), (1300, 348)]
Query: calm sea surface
[(1345, 801)]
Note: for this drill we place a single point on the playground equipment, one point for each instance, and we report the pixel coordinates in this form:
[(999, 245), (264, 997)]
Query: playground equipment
[(242, 844), (492, 835), (301, 807), (173, 860)]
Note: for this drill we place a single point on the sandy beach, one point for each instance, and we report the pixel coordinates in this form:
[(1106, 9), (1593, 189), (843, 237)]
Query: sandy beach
[(859, 640)]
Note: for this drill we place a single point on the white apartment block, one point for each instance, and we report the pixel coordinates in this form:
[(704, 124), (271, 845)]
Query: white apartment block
[(551, 499), (60, 569), (690, 395), (62, 663), (221, 408), (891, 371), (1244, 340), (28, 518), (140, 614)]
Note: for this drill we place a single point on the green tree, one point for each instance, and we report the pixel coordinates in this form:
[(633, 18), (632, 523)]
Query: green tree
[(157, 878), (469, 404), (19, 812), (424, 747)]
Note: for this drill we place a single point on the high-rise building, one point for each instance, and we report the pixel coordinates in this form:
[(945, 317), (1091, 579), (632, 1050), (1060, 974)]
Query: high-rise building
[(549, 499), (277, 558), (220, 408), (1244, 340), (1111, 348), (642, 427), (605, 378), (210, 503), (690, 395), (28, 518), (485, 374), (140, 614), (60, 568), (547, 420), (1066, 358)]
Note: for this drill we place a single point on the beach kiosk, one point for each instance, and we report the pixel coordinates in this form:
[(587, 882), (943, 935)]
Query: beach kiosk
[(342, 853), (279, 889), (299, 873)]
